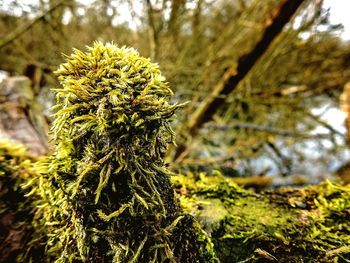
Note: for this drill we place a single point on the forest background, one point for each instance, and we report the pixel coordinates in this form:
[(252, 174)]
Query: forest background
[(263, 79)]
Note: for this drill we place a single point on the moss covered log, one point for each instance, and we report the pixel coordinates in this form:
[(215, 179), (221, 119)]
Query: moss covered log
[(105, 194), (288, 225), (310, 224)]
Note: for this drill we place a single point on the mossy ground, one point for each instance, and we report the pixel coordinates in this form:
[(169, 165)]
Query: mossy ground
[(287, 225), (16, 209)]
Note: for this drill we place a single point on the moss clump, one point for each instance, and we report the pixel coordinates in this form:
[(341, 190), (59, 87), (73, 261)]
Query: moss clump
[(15, 208), (107, 195), (287, 225)]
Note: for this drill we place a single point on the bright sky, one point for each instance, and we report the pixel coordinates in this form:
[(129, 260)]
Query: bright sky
[(340, 13)]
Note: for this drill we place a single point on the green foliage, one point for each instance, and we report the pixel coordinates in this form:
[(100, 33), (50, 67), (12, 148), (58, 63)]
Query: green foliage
[(104, 194)]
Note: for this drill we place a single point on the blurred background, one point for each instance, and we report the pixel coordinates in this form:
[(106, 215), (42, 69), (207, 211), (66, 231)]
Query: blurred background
[(268, 82)]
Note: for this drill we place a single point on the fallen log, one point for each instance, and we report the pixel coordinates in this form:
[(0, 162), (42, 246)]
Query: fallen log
[(308, 224)]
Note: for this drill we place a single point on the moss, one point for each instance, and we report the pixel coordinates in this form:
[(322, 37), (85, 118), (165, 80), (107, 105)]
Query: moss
[(289, 225), (105, 195), (16, 168)]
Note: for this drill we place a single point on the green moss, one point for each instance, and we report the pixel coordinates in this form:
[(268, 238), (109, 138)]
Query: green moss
[(104, 195), (288, 225), (15, 169), (16, 209)]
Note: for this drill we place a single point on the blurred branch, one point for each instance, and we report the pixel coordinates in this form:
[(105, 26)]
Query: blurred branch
[(326, 125), (152, 31), (205, 161), (283, 162), (197, 17), (234, 75), (177, 7), (268, 129), (24, 28)]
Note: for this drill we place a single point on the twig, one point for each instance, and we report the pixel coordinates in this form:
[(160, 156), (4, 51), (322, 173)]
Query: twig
[(268, 129)]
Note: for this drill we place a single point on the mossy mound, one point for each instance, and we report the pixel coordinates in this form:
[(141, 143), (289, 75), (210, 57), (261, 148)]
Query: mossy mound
[(105, 195), (288, 225)]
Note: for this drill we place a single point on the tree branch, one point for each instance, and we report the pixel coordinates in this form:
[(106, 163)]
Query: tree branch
[(270, 130), (24, 28), (233, 76)]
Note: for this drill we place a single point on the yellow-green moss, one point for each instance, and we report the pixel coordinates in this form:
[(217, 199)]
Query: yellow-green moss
[(289, 225), (16, 209), (104, 195), (16, 168)]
